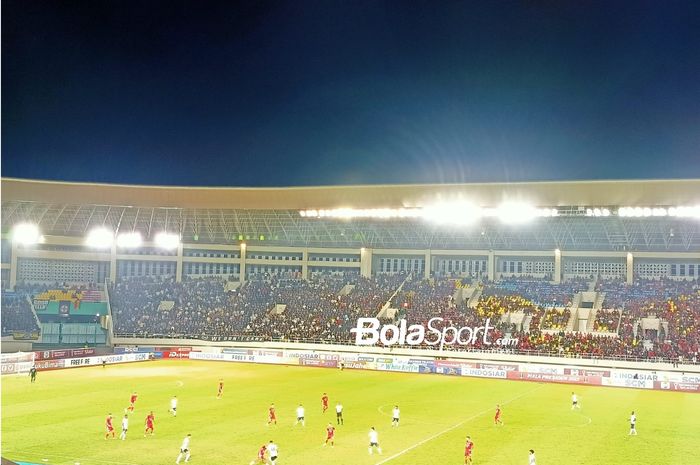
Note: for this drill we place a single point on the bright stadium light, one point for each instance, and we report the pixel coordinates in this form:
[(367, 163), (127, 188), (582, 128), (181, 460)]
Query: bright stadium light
[(685, 212), (546, 212), (350, 213), (452, 213), (516, 212), (26, 234), (645, 212), (129, 240), (100, 238), (166, 240)]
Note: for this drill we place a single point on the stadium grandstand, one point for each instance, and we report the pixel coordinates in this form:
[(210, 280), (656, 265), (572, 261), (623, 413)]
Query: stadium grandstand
[(604, 269)]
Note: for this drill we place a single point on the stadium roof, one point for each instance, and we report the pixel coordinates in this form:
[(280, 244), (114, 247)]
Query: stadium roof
[(551, 194), (271, 215)]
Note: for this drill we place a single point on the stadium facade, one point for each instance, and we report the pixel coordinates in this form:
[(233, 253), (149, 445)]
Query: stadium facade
[(612, 229)]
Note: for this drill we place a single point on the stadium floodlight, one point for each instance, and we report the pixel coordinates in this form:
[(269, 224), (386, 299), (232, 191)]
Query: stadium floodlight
[(129, 240), (26, 234), (685, 212), (100, 238), (166, 240), (350, 213), (459, 213), (547, 212), (516, 212), (599, 211), (645, 212)]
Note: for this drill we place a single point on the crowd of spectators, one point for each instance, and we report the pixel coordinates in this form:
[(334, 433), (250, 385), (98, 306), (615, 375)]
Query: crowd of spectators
[(683, 317), (556, 318), (311, 311), (420, 300), (579, 344), (195, 307), (539, 291), (620, 294), (17, 314), (606, 321), (314, 309), (493, 306), (327, 306)]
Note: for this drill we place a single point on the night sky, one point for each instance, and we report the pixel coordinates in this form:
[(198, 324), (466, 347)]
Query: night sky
[(317, 92)]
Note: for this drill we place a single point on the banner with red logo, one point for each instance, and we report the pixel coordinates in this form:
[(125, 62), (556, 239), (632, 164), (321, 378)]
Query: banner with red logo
[(174, 352)]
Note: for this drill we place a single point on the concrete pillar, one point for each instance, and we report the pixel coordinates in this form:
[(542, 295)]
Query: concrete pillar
[(243, 254), (630, 268), (305, 264), (557, 266), (178, 264), (13, 266), (428, 264), (366, 262), (491, 265), (113, 263)]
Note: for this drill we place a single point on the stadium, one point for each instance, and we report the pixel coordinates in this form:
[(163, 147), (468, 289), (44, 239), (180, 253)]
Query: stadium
[(566, 304)]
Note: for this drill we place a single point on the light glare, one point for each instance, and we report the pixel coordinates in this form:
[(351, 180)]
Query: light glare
[(100, 238), (460, 213), (516, 213), (26, 234), (130, 240), (166, 240)]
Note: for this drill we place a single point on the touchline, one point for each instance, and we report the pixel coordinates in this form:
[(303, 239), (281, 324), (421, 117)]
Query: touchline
[(368, 332)]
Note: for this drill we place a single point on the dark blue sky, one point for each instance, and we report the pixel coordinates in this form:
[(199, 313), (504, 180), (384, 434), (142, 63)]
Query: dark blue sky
[(349, 92)]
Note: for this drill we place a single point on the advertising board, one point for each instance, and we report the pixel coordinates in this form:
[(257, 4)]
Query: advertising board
[(539, 372)]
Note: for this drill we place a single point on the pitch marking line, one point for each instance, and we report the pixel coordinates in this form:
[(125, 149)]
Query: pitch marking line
[(590, 420), (437, 435), (70, 457)]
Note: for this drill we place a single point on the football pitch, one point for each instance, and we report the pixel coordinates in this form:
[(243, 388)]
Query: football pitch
[(59, 420)]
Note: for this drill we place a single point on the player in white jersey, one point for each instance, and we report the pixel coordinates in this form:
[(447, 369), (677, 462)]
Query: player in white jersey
[(531, 457), (272, 450), (633, 424), (395, 416), (125, 427), (184, 449), (173, 406), (339, 413), (574, 401), (373, 441), (300, 416)]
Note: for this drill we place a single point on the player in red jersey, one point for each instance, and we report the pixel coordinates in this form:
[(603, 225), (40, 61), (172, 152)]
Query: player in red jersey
[(150, 423), (261, 456), (324, 402), (497, 418), (132, 401), (220, 394), (109, 426), (468, 449), (271, 415), (330, 435)]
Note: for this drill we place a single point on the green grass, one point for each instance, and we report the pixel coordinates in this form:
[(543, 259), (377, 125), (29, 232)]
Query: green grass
[(61, 417)]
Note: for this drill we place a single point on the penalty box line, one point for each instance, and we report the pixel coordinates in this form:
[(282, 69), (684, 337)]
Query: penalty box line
[(453, 427)]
